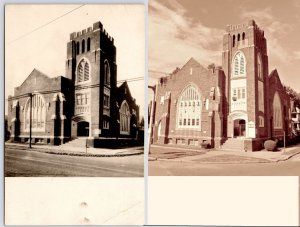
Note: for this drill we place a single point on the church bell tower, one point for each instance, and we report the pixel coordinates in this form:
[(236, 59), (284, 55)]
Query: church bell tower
[(91, 66), (245, 64)]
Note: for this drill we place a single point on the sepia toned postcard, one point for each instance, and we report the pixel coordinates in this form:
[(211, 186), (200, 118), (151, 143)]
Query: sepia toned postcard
[(74, 89), (224, 95), (223, 112)]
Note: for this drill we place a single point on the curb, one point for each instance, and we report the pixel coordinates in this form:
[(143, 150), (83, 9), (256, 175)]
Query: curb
[(208, 162), (63, 152), (243, 162), (288, 157), (92, 155)]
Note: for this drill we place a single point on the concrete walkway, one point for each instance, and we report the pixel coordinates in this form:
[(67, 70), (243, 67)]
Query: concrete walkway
[(78, 151), (221, 156)]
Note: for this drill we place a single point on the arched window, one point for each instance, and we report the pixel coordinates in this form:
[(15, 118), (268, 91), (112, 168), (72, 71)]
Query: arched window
[(239, 37), (88, 47), (77, 48), (236, 66), (86, 71), (242, 65), (83, 71), (259, 67), (277, 112), (106, 72), (239, 64), (124, 119), (83, 46), (189, 108), (243, 36), (233, 40), (38, 114)]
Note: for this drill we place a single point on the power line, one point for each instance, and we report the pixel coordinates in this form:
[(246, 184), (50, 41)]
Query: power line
[(131, 80), (43, 25), (78, 87), (155, 71)]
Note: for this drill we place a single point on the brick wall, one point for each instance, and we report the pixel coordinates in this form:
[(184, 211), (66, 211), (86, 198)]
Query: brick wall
[(207, 82)]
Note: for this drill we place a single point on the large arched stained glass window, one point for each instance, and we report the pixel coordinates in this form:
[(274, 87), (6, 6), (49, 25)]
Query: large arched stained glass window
[(277, 112), (38, 116), (86, 72), (124, 118), (239, 64), (83, 71), (189, 108)]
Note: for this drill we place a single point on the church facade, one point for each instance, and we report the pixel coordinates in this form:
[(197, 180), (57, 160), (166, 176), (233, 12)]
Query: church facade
[(238, 105), (86, 102)]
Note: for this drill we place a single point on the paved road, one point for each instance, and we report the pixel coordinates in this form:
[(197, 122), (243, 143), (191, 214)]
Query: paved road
[(28, 163), (290, 167)]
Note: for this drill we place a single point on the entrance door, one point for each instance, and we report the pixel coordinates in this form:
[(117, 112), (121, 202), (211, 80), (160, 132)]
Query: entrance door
[(239, 128), (83, 128)]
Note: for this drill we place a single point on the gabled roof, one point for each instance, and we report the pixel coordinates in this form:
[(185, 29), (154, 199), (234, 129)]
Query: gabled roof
[(123, 87), (35, 74), (273, 73), (275, 77), (193, 63)]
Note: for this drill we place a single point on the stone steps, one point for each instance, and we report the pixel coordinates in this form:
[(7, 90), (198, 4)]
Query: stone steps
[(79, 142), (233, 144)]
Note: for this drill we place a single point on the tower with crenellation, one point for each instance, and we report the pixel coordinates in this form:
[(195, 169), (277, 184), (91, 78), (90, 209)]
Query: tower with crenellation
[(91, 65), (245, 64)]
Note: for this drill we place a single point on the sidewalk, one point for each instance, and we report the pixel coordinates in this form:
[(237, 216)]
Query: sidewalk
[(78, 151), (221, 156)]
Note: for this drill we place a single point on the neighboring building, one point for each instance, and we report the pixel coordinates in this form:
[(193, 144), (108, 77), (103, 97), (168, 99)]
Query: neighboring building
[(236, 106), (6, 130), (296, 120), (85, 103)]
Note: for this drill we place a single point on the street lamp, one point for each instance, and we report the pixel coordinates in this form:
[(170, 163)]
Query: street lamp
[(30, 120)]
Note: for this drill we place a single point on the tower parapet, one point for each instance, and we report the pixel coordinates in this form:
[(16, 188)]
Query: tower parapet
[(74, 36), (243, 35)]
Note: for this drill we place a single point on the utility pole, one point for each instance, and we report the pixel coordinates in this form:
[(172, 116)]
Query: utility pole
[(30, 120), (151, 116)]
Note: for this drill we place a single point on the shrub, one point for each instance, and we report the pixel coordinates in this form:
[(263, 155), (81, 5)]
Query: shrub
[(205, 145), (270, 145)]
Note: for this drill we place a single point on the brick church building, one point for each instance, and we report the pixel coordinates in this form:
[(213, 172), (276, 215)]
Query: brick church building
[(85, 103), (236, 106)]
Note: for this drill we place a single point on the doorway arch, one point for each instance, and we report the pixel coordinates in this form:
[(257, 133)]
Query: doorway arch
[(239, 128), (83, 128)]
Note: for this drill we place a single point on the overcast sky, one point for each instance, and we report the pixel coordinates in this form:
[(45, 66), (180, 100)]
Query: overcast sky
[(45, 49), (181, 29)]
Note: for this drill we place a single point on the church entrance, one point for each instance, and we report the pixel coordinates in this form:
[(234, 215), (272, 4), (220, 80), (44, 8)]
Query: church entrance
[(83, 128), (239, 129)]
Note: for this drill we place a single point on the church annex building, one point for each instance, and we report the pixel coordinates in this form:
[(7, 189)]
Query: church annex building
[(85, 103), (236, 106)]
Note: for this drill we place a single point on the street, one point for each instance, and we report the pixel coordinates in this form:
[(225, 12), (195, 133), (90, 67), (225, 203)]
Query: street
[(29, 163), (290, 167)]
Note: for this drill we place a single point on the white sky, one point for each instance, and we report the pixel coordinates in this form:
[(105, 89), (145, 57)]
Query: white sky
[(181, 29), (45, 49)]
